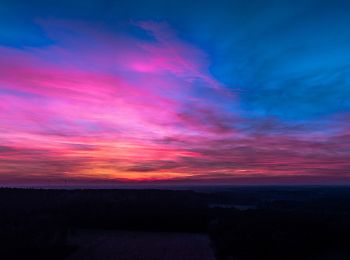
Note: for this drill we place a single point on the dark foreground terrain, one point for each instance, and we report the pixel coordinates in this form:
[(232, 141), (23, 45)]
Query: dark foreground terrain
[(230, 223)]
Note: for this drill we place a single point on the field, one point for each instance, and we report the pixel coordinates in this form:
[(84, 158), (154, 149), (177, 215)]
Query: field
[(126, 245)]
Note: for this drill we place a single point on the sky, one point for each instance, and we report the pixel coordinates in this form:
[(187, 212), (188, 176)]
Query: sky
[(100, 92)]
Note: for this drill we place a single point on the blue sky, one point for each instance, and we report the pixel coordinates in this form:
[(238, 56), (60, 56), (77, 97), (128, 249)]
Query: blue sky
[(283, 66)]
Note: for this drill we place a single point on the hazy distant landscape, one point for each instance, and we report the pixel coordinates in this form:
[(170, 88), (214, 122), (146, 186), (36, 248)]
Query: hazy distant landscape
[(238, 222)]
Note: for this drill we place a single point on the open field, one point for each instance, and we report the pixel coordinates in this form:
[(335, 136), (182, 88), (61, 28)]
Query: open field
[(124, 245)]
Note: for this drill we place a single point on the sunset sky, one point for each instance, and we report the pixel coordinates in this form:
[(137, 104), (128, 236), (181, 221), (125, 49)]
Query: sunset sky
[(101, 92)]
